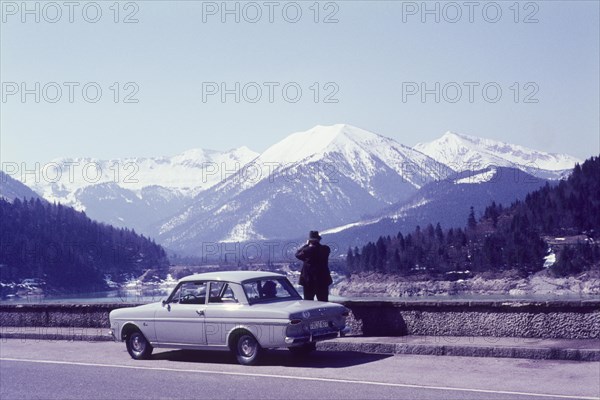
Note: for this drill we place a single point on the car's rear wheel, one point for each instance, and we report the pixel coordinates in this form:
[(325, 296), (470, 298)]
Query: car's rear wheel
[(137, 346), (247, 349), (303, 350)]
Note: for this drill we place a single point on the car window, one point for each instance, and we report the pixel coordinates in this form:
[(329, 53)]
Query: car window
[(269, 289), (190, 293), (221, 292)]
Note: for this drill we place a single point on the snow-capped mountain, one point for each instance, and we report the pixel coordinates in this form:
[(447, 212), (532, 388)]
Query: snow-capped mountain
[(321, 177), (136, 192), (468, 153), (447, 201), (110, 203), (188, 173), (354, 182)]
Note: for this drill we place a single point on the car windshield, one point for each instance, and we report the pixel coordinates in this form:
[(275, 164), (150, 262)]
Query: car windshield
[(270, 289)]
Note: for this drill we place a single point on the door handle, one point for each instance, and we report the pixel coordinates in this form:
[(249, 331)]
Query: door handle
[(200, 313)]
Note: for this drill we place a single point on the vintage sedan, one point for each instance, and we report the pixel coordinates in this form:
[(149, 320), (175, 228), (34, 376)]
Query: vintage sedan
[(243, 312)]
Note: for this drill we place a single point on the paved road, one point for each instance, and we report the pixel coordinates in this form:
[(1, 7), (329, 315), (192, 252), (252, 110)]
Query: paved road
[(103, 370)]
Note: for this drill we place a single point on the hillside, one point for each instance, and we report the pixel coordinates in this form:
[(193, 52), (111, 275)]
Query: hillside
[(67, 250), (11, 188), (442, 202), (556, 227)]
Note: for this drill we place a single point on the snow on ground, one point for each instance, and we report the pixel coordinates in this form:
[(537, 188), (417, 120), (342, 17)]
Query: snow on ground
[(549, 260), (482, 177), (245, 231), (347, 226)]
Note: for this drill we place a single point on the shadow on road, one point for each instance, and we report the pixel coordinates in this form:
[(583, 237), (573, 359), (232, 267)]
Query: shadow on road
[(282, 358)]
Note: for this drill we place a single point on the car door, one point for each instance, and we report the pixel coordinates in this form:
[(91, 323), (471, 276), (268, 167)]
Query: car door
[(181, 319), (222, 313)]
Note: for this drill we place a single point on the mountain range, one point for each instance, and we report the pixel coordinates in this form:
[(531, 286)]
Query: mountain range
[(468, 153), (135, 192), (322, 177), (339, 179)]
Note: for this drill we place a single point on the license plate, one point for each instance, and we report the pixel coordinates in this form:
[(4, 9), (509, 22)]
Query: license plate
[(319, 324)]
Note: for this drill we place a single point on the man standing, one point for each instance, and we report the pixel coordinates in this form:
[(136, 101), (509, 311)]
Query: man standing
[(315, 276)]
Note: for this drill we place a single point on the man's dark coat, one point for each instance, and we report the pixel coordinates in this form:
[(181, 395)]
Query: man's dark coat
[(315, 270)]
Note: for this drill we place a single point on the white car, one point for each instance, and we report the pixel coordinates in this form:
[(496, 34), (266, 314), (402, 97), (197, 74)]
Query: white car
[(241, 311)]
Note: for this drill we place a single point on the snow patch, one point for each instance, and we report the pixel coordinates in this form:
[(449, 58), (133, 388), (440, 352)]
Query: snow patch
[(482, 177), (245, 231), (549, 260)]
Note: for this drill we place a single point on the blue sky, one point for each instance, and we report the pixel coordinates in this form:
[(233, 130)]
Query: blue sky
[(367, 61)]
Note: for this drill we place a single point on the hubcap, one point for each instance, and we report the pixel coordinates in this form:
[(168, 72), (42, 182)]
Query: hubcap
[(248, 346), (138, 344)]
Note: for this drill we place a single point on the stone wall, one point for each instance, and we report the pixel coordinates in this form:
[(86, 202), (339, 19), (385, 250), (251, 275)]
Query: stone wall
[(558, 319), (57, 315)]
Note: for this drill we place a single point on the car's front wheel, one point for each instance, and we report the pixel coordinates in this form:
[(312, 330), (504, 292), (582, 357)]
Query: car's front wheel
[(247, 349), (137, 346)]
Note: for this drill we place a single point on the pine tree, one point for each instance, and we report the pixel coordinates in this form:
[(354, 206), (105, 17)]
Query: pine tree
[(472, 222), (381, 255), (439, 233), (350, 260)]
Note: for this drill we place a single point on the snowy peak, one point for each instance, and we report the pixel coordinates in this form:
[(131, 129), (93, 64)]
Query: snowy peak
[(192, 156), (350, 137), (350, 148), (463, 152), (351, 134), (243, 153), (198, 157), (188, 172), (316, 141)]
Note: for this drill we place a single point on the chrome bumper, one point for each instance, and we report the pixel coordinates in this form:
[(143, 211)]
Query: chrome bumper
[(317, 337)]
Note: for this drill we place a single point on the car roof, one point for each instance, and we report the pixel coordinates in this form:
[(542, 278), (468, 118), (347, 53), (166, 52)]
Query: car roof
[(231, 276)]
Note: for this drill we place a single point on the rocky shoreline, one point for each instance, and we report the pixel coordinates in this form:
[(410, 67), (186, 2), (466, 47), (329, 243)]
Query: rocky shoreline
[(540, 284), (367, 285)]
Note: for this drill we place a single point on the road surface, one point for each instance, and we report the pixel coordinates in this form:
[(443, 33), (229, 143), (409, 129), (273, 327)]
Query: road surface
[(103, 370)]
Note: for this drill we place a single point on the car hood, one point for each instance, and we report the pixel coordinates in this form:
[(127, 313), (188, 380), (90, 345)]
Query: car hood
[(143, 311)]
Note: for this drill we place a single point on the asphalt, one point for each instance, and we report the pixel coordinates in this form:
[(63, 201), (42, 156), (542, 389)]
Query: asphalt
[(474, 346), (63, 370)]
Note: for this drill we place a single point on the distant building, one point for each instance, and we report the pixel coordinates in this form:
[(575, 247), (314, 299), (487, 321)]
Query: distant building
[(558, 242)]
